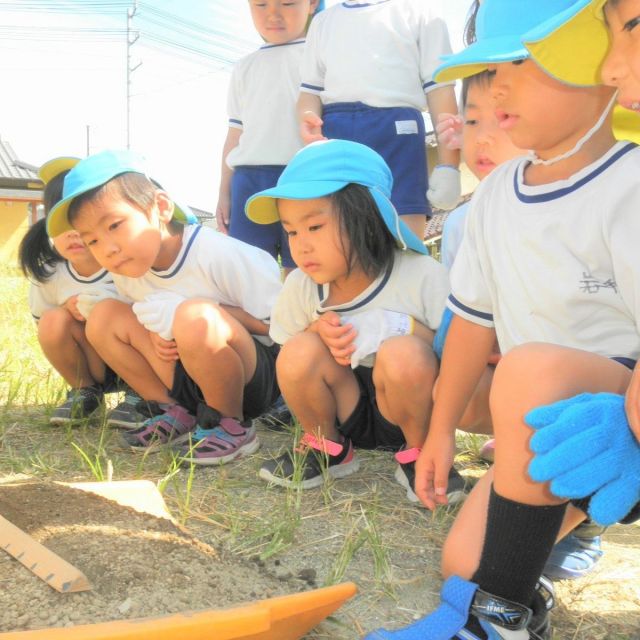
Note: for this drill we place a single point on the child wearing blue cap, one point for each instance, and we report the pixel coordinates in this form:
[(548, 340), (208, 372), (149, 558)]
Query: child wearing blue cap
[(195, 340), (63, 273), (263, 134), (356, 319), (367, 76), (549, 265)]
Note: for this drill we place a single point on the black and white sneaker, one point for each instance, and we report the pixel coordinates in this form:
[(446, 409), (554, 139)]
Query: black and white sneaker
[(311, 463), (277, 417), (405, 475), (79, 405), (132, 412)]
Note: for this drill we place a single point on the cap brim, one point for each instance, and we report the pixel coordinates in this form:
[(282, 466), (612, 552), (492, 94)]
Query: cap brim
[(262, 208), (475, 58), (58, 218), (626, 124), (405, 238), (52, 168), (573, 44)]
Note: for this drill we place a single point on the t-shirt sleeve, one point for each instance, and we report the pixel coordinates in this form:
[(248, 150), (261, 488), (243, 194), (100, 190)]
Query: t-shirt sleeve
[(293, 310), (435, 289), (234, 99), (470, 296), (452, 234), (312, 71), (41, 298), (433, 43)]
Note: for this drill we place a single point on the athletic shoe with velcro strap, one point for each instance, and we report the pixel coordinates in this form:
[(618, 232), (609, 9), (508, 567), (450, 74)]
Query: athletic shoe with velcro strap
[(310, 463)]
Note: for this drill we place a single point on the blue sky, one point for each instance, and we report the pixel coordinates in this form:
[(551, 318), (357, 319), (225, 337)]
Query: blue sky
[(63, 72)]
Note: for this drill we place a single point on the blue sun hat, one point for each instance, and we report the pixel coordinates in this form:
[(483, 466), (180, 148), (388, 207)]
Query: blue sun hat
[(324, 167), (500, 27), (319, 8), (572, 44), (95, 171)]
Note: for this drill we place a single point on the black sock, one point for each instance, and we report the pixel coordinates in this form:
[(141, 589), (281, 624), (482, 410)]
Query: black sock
[(517, 544)]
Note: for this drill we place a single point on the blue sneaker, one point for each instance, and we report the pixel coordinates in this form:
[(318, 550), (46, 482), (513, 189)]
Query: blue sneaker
[(468, 613), (573, 557)]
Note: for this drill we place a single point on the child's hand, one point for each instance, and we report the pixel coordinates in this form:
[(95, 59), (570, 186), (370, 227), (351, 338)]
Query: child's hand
[(223, 218), (71, 305), (337, 337), (449, 131), (166, 350), (156, 312), (632, 403), (311, 127), (432, 468)]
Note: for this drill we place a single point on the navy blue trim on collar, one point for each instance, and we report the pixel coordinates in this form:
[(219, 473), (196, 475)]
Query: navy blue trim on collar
[(284, 44), (101, 274), (363, 4), (361, 303), (469, 310), (559, 193), (184, 256)]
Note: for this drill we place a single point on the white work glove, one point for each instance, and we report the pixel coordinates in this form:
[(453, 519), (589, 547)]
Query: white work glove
[(90, 298), (444, 187), (373, 328), (156, 312)]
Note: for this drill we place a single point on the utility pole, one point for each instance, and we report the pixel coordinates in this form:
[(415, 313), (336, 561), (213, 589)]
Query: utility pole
[(132, 38)]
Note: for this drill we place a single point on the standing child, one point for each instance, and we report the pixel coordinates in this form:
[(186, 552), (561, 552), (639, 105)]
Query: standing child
[(356, 319), (549, 265), (367, 69), (60, 270), (195, 340), (263, 134)]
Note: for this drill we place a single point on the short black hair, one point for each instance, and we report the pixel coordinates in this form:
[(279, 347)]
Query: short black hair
[(371, 245), (135, 188), (483, 78)]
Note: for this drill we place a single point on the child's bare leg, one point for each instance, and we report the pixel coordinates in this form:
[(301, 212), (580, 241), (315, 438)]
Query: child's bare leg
[(404, 375), (416, 222), (317, 389), (217, 352), (124, 344), (65, 345), (524, 514)]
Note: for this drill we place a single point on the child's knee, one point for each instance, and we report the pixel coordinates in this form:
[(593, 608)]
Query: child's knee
[(105, 317), (301, 357), (198, 320), (54, 325), (408, 361)]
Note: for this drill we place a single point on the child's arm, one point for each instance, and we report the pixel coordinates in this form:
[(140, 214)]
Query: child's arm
[(252, 324), (309, 110), (223, 207), (466, 351), (444, 182), (632, 402)]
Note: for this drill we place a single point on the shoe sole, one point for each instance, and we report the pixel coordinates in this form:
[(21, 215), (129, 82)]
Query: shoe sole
[(155, 446), (338, 471), (58, 422), (453, 498), (246, 449), (114, 423)]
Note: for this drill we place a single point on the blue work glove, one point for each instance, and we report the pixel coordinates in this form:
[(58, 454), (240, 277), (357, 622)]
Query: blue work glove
[(585, 447), (441, 333)]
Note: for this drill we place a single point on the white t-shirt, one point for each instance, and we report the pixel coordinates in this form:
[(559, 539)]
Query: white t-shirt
[(382, 53), (452, 233), (557, 263), (416, 285), (213, 265), (262, 102), (64, 283)]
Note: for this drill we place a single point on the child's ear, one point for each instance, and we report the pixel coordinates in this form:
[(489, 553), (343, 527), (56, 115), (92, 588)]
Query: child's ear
[(165, 207)]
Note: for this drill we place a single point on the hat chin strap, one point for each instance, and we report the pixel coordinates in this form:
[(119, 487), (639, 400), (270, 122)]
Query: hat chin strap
[(533, 156)]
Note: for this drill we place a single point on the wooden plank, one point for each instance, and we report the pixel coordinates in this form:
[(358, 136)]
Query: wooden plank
[(54, 570)]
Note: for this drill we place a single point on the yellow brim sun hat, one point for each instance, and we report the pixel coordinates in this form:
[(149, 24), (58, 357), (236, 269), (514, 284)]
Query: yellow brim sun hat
[(572, 45), (626, 124), (50, 169)]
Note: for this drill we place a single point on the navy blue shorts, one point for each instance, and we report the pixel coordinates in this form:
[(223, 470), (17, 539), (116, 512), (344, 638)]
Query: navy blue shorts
[(398, 135), (366, 427), (245, 182), (259, 393)]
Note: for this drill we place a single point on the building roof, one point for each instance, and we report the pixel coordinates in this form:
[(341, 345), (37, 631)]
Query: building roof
[(13, 168)]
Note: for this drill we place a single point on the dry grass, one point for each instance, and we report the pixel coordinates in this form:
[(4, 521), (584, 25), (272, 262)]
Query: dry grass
[(359, 529)]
